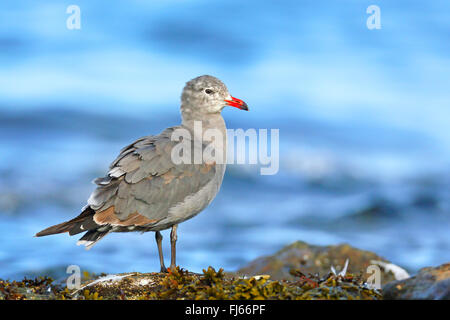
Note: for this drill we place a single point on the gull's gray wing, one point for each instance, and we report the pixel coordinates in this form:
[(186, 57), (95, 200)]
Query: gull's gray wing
[(143, 183)]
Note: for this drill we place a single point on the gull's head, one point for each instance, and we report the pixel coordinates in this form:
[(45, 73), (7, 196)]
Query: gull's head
[(207, 95)]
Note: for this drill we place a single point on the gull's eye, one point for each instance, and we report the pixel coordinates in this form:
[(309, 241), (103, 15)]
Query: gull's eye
[(208, 91)]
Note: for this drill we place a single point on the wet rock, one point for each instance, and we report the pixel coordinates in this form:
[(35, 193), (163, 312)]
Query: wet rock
[(430, 283), (312, 259)]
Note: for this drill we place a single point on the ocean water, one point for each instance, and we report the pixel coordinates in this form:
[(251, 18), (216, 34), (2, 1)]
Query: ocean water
[(364, 119)]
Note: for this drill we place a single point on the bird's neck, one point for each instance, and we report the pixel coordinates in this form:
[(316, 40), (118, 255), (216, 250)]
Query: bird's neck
[(211, 131), (193, 121)]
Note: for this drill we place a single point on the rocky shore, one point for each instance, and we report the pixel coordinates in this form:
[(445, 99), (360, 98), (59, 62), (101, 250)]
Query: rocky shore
[(429, 283), (297, 272)]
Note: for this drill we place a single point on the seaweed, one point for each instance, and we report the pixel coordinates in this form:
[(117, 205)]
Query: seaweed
[(179, 283)]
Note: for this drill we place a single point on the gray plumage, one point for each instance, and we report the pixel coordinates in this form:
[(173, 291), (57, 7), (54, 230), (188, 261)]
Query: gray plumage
[(145, 180), (144, 190)]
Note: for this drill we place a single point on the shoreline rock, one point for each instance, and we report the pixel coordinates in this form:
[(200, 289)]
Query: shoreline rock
[(431, 283), (314, 259), (181, 284)]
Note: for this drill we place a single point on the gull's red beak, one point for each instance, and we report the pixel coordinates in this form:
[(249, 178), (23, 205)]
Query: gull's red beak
[(237, 103)]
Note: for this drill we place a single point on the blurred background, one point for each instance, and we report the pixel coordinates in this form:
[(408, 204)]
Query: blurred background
[(364, 119)]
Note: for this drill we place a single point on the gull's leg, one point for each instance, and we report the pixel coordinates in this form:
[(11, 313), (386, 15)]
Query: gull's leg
[(173, 242), (158, 237)]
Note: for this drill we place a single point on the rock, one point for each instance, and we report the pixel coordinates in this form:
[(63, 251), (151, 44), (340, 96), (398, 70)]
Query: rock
[(312, 259), (181, 284), (212, 284), (430, 283), (122, 286)]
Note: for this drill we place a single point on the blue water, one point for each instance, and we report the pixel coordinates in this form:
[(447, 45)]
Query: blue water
[(364, 120)]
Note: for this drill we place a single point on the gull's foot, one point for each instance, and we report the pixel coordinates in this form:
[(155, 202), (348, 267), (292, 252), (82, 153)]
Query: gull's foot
[(164, 270), (172, 267)]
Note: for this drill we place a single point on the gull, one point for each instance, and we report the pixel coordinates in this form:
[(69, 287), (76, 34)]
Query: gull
[(147, 189)]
